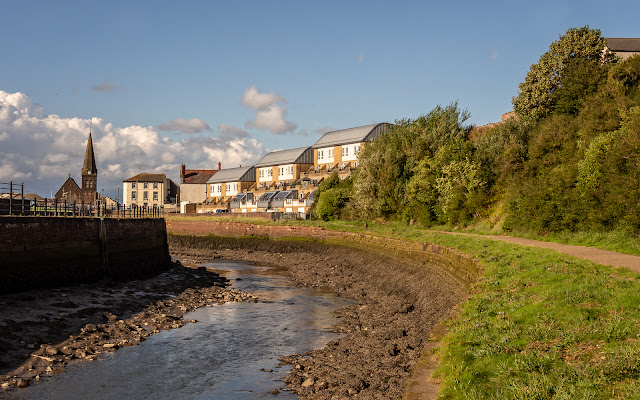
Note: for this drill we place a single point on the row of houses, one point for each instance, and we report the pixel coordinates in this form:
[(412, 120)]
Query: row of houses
[(282, 181)]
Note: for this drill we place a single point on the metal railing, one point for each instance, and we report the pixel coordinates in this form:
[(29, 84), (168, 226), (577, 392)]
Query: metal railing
[(15, 204)]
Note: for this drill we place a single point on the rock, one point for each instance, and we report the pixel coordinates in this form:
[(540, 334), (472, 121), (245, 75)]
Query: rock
[(307, 383), (110, 346), (22, 383)]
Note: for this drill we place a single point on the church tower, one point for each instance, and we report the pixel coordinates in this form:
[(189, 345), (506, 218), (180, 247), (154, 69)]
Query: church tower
[(89, 175)]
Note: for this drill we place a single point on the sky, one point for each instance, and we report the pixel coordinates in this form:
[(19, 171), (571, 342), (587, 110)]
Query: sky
[(161, 83)]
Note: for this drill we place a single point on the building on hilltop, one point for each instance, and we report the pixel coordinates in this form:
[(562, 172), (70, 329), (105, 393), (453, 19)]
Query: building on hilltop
[(150, 190), (70, 192), (623, 47), (193, 185)]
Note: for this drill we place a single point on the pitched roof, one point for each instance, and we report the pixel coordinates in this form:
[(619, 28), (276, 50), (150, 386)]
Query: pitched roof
[(89, 165), (623, 44), (245, 174), (302, 155), (358, 134), (144, 177), (199, 176)]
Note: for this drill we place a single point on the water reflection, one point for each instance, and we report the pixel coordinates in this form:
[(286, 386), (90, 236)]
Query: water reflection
[(226, 355)]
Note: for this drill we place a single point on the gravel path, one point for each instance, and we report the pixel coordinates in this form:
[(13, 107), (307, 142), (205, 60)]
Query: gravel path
[(598, 256)]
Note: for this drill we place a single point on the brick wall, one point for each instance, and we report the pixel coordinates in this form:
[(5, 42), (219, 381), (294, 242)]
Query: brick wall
[(49, 251)]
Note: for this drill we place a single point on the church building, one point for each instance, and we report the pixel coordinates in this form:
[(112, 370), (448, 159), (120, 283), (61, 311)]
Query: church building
[(88, 193)]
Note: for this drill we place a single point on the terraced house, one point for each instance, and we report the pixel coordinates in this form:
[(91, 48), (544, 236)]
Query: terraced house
[(286, 180), (340, 150), (225, 185)]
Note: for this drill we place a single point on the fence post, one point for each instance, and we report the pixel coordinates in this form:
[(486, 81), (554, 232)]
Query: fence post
[(22, 197)]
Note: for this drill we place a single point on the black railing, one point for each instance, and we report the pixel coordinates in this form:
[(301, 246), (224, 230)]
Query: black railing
[(15, 204)]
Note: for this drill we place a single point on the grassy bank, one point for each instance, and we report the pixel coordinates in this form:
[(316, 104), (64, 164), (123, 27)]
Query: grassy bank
[(538, 324)]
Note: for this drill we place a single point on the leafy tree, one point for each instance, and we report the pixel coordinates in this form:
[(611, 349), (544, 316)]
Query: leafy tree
[(544, 78), (388, 164)]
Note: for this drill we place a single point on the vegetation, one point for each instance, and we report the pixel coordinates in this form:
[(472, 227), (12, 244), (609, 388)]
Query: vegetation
[(569, 162)]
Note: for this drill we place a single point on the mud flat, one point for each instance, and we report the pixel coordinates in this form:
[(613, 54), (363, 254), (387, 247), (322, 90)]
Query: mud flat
[(41, 331), (401, 297)]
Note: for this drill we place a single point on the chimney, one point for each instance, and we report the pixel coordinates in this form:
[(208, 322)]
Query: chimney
[(182, 172), (219, 165)]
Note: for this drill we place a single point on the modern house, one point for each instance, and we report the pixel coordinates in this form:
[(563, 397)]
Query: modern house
[(283, 166), (150, 190), (225, 185), (623, 47), (341, 149)]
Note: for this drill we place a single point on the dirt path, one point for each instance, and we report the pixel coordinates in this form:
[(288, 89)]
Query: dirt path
[(599, 256)]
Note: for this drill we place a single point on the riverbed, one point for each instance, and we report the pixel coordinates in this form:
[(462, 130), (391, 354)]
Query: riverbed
[(232, 351)]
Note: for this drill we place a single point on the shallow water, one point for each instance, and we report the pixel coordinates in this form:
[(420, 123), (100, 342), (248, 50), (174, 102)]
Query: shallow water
[(226, 355)]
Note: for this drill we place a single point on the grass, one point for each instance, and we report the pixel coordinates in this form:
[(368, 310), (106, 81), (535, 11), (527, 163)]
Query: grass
[(537, 325)]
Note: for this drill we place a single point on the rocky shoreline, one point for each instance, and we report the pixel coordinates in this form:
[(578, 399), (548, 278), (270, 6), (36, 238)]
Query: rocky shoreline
[(400, 300), (41, 331)]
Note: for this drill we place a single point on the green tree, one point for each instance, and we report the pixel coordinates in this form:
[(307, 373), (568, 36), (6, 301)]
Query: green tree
[(544, 78)]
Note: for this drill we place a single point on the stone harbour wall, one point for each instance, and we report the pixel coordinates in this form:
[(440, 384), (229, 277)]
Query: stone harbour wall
[(38, 252)]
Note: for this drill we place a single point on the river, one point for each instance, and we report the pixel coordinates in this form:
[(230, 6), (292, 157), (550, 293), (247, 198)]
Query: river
[(230, 353)]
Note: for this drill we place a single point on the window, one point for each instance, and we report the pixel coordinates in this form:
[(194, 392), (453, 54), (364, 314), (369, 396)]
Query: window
[(133, 185), (330, 153), (145, 185), (270, 172), (320, 154), (133, 195), (145, 195), (228, 187), (345, 151), (261, 173), (357, 150), (155, 196), (155, 185)]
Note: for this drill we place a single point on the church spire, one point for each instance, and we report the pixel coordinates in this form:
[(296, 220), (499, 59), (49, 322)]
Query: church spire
[(89, 166)]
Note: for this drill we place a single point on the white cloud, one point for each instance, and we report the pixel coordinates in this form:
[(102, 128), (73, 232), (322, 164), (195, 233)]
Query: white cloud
[(182, 125), (259, 101), (269, 115), (272, 119), (42, 150), (232, 131)]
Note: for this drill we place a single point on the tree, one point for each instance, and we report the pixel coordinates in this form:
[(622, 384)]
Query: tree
[(544, 78)]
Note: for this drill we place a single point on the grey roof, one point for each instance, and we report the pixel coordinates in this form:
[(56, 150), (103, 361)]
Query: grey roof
[(144, 177), (240, 174), (301, 155), (623, 44), (352, 135)]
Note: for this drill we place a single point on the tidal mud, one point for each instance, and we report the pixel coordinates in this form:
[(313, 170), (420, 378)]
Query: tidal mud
[(400, 299), (41, 331)]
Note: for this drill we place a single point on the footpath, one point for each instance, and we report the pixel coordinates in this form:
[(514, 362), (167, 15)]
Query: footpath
[(598, 256)]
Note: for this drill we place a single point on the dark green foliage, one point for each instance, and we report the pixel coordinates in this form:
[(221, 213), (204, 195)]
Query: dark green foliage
[(420, 168), (331, 198), (535, 97)]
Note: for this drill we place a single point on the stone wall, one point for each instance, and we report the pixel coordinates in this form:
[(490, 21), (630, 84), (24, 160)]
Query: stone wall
[(48, 251), (458, 265)]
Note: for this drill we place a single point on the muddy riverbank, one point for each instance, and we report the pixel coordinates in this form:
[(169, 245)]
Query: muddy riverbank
[(401, 297), (41, 331)]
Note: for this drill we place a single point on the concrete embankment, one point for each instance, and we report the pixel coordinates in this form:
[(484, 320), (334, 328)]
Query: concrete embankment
[(38, 252), (403, 291)]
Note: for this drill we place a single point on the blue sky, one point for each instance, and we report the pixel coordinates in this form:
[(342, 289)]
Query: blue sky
[(228, 81)]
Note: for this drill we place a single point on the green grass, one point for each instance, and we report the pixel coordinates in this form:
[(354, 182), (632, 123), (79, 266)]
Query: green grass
[(537, 325)]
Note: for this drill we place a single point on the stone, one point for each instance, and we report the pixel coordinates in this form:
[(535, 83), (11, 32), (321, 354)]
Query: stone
[(307, 383)]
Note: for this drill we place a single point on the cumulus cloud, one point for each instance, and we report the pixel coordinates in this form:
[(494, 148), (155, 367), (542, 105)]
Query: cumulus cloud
[(230, 131), (42, 150), (104, 87), (269, 115), (193, 125), (272, 119), (259, 101)]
